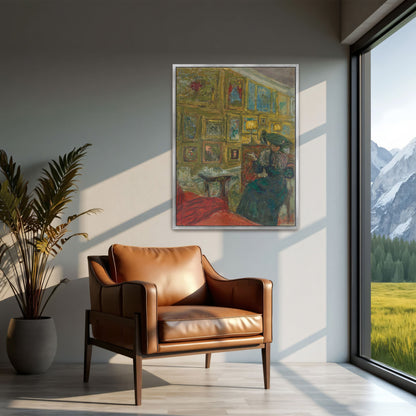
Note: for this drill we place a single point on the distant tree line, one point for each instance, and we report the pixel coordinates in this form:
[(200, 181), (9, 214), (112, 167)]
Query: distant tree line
[(392, 260)]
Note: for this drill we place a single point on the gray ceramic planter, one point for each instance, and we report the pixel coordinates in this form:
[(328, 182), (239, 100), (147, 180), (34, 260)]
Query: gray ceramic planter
[(31, 344)]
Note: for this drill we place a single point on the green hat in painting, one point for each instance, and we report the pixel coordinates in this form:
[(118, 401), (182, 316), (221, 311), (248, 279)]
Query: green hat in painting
[(274, 138)]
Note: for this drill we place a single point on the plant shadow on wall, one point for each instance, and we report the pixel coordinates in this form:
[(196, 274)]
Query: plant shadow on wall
[(33, 232)]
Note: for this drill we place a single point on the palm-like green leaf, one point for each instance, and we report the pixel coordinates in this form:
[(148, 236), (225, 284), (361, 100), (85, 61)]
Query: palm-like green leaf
[(14, 191), (54, 236), (33, 228), (9, 204), (57, 185)]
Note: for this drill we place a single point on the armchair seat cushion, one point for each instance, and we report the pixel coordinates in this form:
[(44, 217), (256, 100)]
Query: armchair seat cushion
[(201, 322)]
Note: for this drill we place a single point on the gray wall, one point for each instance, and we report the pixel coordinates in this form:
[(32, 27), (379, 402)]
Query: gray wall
[(100, 71), (359, 16)]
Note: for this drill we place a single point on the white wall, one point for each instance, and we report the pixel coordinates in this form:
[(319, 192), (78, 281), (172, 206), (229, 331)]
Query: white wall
[(100, 72)]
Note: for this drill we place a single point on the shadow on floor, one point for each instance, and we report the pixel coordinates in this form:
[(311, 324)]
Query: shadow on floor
[(323, 400), (50, 386), (62, 412), (379, 382)]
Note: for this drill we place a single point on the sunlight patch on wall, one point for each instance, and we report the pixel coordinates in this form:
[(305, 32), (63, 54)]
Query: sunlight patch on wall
[(210, 241), (6, 292), (127, 195), (313, 109), (302, 295), (312, 183), (152, 232), (314, 351)]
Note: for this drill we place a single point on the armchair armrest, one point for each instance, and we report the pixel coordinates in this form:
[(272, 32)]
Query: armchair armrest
[(124, 299), (108, 300), (141, 297), (252, 294)]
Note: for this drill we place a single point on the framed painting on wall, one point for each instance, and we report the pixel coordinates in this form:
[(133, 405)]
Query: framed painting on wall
[(233, 128), (235, 153), (211, 152), (190, 126), (190, 154), (213, 129)]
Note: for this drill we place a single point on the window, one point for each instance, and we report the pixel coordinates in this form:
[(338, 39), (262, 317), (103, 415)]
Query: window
[(383, 199)]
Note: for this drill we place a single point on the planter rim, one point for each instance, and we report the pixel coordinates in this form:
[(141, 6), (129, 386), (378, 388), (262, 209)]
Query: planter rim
[(21, 318)]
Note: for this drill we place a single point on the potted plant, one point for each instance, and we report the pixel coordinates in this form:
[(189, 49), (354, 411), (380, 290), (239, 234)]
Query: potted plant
[(33, 232)]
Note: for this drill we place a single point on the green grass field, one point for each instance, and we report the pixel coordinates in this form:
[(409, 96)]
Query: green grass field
[(393, 321)]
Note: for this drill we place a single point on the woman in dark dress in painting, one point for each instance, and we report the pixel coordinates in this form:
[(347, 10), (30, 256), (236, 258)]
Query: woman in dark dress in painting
[(263, 197)]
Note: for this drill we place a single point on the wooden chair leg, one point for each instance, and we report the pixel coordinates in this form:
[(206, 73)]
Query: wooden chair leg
[(87, 348), (137, 366), (87, 362), (265, 355), (208, 360), (137, 363)]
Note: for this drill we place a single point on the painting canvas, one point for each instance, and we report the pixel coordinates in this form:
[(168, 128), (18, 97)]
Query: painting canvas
[(235, 146)]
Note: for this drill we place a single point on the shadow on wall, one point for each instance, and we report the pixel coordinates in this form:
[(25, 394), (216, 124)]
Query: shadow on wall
[(298, 262), (278, 255), (67, 307), (63, 82), (295, 261)]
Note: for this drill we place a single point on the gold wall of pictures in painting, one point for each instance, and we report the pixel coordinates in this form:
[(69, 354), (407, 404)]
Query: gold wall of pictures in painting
[(217, 112)]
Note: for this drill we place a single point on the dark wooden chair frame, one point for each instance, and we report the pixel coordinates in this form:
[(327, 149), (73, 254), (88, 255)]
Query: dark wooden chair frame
[(138, 357)]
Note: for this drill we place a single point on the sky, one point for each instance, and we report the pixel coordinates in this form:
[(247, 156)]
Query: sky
[(393, 89)]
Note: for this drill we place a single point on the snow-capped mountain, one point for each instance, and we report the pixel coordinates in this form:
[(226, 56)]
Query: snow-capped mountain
[(394, 152), (393, 195), (379, 158)]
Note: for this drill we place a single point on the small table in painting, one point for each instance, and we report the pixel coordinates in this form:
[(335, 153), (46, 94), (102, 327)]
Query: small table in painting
[(222, 179)]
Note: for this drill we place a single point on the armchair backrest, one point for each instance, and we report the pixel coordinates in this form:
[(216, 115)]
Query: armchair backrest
[(176, 271)]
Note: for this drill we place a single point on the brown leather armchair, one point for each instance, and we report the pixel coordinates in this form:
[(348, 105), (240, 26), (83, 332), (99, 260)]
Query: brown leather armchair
[(158, 302)]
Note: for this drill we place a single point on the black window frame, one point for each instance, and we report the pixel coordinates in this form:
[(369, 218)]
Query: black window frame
[(359, 156)]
